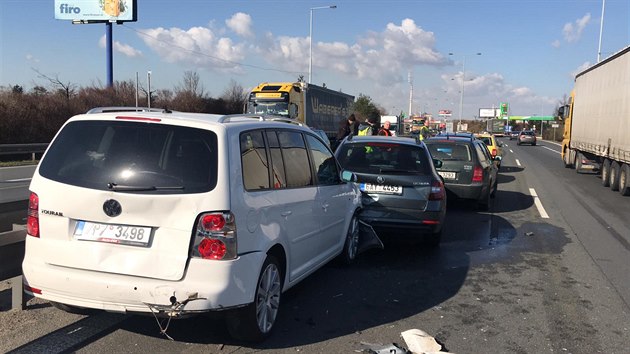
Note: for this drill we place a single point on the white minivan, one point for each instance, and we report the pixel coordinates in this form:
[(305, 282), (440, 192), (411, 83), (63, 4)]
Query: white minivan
[(177, 213)]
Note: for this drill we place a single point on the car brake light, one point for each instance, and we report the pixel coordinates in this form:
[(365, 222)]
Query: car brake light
[(139, 119), (437, 191), (32, 219), (212, 249), (215, 236), (477, 174)]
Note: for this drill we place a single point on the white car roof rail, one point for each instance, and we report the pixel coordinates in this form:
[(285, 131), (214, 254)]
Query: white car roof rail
[(126, 109), (241, 117)]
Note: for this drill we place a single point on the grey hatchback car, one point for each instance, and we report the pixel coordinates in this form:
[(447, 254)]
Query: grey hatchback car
[(467, 167), (526, 137), (401, 190)]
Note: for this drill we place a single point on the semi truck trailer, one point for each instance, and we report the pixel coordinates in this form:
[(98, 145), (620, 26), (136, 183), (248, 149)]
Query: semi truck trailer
[(315, 106), (596, 134)]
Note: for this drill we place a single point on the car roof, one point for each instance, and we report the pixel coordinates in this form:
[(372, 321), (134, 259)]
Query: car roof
[(465, 137), (382, 138), (185, 118)]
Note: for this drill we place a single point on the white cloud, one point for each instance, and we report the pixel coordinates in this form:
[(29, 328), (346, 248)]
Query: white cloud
[(555, 44), (31, 58), (380, 56), (521, 92), (241, 24), (197, 46), (573, 31), (121, 48), (580, 68)]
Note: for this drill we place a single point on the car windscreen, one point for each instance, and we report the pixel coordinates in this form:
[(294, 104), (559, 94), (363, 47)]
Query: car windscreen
[(450, 151), (134, 157), (486, 140), (382, 157)]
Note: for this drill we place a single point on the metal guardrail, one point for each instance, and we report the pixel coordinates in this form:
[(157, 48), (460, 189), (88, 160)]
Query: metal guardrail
[(16, 149)]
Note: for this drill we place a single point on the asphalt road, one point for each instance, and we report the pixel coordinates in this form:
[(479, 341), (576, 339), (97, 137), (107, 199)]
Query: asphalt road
[(545, 270)]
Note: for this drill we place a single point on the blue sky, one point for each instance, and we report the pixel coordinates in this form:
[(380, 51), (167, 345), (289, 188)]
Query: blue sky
[(530, 49)]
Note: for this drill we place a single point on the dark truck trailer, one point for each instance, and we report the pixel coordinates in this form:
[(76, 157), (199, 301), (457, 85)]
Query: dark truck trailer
[(315, 106)]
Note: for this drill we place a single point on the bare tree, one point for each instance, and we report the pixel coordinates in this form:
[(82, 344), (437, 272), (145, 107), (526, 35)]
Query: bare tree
[(68, 89), (191, 85), (235, 97)]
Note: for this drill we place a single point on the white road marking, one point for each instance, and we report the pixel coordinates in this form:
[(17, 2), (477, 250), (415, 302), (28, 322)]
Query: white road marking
[(518, 163), (17, 180), (539, 206), (550, 149), (511, 151)]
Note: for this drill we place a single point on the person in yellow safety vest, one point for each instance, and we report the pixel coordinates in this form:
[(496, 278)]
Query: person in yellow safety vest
[(368, 127), (424, 132)]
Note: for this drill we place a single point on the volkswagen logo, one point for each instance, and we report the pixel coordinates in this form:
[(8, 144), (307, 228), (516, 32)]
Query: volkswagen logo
[(112, 208), (380, 179)]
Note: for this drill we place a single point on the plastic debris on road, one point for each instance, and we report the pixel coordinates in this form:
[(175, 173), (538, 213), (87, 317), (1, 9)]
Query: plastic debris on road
[(418, 342)]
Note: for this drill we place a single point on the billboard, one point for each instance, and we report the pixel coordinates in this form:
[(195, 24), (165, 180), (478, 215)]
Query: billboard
[(445, 113), (489, 112), (96, 10)]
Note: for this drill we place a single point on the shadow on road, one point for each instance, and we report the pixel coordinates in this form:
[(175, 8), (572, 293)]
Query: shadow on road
[(384, 286)]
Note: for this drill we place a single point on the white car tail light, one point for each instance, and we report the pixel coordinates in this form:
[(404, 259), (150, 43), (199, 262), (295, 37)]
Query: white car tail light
[(32, 219), (215, 236)]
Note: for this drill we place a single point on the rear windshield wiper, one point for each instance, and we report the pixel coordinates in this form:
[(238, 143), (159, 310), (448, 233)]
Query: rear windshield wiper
[(124, 188)]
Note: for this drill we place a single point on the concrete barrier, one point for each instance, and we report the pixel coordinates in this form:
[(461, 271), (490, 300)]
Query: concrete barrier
[(12, 254)]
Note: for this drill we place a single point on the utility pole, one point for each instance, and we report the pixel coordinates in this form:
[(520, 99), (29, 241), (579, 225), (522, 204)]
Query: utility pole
[(410, 92), (601, 29)]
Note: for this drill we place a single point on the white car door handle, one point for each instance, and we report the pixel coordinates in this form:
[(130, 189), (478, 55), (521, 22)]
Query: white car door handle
[(286, 213)]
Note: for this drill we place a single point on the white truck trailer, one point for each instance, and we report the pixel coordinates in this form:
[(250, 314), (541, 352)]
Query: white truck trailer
[(597, 122)]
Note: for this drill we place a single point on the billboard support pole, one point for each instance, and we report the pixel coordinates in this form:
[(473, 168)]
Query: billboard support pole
[(110, 59)]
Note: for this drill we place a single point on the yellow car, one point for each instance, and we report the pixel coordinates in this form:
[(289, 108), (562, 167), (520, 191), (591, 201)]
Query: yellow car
[(494, 147)]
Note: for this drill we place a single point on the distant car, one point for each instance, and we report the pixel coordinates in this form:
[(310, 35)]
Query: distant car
[(514, 134), (401, 190), (467, 167), (526, 137), (494, 146)]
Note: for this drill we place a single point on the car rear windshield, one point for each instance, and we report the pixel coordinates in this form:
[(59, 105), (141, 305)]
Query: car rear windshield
[(450, 151), (528, 133), (379, 157), (134, 157), (486, 140)]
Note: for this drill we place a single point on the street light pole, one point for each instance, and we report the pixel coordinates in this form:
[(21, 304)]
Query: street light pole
[(149, 89), (601, 29), (461, 96), (310, 40)]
